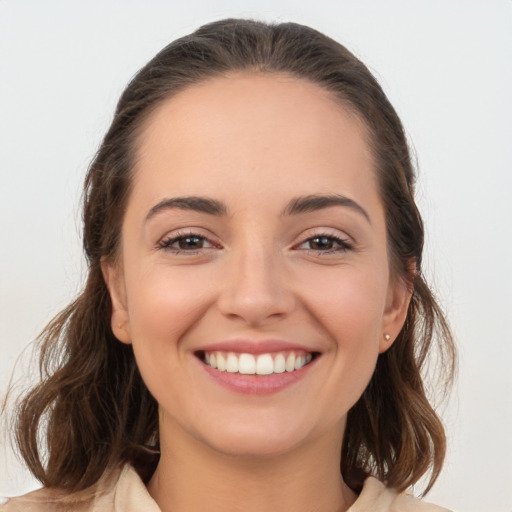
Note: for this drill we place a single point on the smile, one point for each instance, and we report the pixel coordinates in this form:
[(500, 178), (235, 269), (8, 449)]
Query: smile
[(261, 364)]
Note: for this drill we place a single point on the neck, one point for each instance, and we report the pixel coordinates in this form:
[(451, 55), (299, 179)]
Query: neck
[(194, 477)]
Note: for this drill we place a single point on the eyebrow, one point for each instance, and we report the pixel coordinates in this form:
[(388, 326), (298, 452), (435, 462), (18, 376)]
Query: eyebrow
[(298, 205), (194, 203), (311, 203)]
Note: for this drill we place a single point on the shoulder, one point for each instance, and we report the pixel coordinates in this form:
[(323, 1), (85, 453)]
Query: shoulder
[(52, 500), (117, 491), (376, 497)]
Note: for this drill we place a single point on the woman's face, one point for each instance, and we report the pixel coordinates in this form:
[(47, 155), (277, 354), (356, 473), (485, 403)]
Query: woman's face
[(254, 240)]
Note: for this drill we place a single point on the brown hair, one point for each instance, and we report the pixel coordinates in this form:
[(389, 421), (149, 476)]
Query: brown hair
[(92, 404)]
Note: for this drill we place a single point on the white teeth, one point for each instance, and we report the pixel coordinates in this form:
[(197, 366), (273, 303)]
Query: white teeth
[(232, 363), (247, 364), (221, 362), (279, 364), (290, 362), (263, 364), (299, 362)]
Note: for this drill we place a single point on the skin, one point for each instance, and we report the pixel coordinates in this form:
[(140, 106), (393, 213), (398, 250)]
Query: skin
[(254, 142)]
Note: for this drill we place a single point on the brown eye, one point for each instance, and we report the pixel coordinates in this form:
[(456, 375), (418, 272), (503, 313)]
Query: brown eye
[(321, 243), (185, 243), (190, 242), (326, 244)]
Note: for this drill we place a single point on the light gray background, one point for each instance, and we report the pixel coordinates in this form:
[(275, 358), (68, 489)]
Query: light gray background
[(446, 66)]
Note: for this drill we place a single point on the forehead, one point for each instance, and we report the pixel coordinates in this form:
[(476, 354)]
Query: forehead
[(258, 131)]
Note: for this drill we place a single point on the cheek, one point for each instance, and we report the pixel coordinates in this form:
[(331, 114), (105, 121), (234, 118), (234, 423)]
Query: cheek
[(349, 303), (348, 308), (163, 306)]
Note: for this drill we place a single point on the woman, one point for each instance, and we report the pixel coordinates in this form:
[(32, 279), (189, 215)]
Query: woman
[(255, 317)]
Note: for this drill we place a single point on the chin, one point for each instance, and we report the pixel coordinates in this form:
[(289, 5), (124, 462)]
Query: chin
[(262, 446), (256, 439)]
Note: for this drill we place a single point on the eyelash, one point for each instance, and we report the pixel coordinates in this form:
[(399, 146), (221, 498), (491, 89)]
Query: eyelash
[(166, 243), (343, 245)]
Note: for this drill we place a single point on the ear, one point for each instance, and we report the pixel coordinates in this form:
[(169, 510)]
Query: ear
[(397, 305), (119, 320)]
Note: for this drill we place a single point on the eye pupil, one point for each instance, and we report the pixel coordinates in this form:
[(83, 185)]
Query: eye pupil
[(321, 242), (190, 242)]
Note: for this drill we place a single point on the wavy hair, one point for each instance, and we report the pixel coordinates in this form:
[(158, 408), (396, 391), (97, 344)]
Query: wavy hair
[(92, 412)]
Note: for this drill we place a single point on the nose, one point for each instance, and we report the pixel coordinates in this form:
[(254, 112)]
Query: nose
[(257, 288)]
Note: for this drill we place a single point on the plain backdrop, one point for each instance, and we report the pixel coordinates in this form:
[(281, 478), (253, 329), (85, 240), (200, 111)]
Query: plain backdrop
[(446, 67)]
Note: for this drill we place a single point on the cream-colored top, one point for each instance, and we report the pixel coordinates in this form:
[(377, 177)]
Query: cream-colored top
[(129, 494)]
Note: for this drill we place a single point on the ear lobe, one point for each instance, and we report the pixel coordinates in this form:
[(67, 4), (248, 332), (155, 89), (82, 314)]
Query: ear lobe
[(397, 305), (119, 320)]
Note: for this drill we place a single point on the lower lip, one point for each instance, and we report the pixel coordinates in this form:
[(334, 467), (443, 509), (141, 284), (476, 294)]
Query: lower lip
[(257, 384)]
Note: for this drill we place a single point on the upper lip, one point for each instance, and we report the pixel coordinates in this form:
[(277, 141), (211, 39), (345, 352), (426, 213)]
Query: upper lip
[(245, 346)]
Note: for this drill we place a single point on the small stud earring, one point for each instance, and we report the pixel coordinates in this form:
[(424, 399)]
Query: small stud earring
[(387, 336)]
